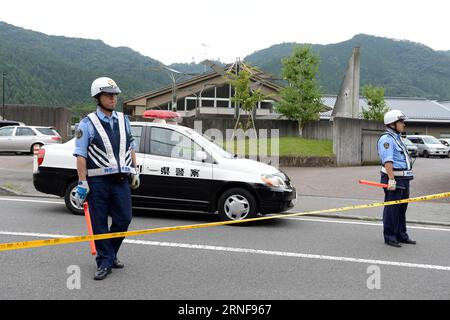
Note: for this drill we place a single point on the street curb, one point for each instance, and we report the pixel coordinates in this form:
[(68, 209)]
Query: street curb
[(375, 219), (10, 192)]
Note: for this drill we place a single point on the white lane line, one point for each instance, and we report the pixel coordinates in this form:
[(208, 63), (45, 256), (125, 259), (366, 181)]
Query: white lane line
[(363, 223), (30, 200), (31, 234), (255, 251)]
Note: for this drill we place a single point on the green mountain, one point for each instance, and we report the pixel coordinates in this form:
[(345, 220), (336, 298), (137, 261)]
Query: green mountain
[(403, 68), (50, 70)]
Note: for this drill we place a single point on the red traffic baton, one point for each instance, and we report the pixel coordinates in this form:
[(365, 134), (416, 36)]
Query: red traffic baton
[(376, 184), (89, 226)]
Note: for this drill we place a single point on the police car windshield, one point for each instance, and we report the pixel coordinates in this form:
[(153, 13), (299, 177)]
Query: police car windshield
[(431, 140), (212, 145)]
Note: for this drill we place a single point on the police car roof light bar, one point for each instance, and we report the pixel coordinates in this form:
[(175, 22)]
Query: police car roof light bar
[(161, 116)]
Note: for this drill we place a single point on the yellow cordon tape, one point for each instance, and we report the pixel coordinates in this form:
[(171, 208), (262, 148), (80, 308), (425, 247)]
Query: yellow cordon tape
[(60, 241)]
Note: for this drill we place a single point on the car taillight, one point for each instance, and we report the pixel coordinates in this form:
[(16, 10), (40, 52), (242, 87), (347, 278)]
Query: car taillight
[(56, 138), (40, 156)]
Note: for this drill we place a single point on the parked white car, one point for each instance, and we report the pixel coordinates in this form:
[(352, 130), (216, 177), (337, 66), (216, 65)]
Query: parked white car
[(446, 142), (22, 139), (429, 146), (411, 147)]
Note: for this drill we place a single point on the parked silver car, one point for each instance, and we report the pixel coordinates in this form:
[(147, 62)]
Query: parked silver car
[(446, 142), (412, 148), (429, 146), (22, 139)]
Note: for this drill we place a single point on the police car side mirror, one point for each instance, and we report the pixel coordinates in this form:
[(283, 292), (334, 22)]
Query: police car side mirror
[(200, 156)]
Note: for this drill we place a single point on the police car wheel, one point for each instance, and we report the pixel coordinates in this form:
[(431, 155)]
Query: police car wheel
[(237, 204), (69, 199)]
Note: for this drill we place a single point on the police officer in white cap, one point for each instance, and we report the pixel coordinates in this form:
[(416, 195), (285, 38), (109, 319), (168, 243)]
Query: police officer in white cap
[(396, 172), (106, 165)]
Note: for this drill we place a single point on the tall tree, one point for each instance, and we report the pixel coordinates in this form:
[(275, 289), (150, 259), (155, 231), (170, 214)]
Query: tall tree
[(301, 99), (375, 100), (245, 96)]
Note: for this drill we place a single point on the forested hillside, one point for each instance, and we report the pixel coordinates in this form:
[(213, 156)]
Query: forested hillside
[(404, 68), (51, 70)]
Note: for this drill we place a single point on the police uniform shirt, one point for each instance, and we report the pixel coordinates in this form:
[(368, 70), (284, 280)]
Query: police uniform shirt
[(85, 132), (389, 150)]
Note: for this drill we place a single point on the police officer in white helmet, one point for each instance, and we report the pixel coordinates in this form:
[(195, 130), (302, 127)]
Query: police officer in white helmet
[(397, 173), (106, 165)]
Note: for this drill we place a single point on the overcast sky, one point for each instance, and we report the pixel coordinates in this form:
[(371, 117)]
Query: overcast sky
[(192, 30)]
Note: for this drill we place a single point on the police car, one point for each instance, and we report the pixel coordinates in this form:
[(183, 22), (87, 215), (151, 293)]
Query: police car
[(180, 170)]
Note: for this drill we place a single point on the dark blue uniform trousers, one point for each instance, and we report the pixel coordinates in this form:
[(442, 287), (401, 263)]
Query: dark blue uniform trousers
[(109, 198), (394, 216)]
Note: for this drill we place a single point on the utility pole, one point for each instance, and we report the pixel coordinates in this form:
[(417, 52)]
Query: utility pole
[(3, 103), (171, 73), (237, 104)]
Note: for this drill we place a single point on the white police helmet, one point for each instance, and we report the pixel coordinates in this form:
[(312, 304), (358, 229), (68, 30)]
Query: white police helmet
[(104, 84), (394, 116)]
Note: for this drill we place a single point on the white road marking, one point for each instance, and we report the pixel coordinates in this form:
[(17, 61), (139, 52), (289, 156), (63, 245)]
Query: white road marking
[(254, 251), (32, 234), (31, 200)]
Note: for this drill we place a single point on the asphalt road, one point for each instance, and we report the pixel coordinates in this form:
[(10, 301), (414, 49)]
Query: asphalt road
[(295, 258)]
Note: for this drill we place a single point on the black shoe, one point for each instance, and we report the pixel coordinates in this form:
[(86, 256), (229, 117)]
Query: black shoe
[(393, 244), (118, 265), (101, 273), (409, 241)]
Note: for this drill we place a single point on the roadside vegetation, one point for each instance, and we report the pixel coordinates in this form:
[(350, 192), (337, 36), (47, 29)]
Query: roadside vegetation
[(288, 146)]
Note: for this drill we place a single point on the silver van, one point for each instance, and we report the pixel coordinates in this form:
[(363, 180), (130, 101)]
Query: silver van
[(429, 146)]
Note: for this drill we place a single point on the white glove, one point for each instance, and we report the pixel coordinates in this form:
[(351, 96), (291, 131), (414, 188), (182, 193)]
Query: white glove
[(135, 181), (392, 185), (82, 192)]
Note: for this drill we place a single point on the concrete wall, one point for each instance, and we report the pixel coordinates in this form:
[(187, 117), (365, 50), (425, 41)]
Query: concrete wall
[(57, 117), (318, 130), (286, 128), (351, 136)]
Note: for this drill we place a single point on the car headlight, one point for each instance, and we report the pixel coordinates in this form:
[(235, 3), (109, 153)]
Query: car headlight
[(273, 180)]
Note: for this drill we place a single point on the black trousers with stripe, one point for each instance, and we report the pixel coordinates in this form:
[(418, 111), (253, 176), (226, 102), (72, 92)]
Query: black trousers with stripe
[(394, 216), (109, 197)]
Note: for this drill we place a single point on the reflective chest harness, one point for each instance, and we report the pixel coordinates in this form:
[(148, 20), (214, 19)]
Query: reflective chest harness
[(106, 157), (400, 172)]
